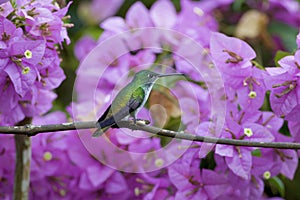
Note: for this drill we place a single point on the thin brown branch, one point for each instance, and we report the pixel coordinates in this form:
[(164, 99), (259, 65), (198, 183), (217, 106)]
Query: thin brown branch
[(31, 130)]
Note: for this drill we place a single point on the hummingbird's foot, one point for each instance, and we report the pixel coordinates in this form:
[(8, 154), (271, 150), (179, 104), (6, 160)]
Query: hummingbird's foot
[(141, 122), (145, 121), (132, 125)]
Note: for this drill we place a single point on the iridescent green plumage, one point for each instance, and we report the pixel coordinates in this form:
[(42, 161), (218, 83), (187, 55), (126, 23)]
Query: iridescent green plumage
[(129, 100)]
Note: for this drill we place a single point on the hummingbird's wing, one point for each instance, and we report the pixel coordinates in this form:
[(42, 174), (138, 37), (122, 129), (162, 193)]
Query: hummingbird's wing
[(132, 105)]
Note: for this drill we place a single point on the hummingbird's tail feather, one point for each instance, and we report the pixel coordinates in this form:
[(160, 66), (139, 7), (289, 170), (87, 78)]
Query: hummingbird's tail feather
[(104, 126), (100, 131)]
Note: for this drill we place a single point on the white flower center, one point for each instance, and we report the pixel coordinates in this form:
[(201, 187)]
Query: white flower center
[(267, 174), (159, 162), (47, 156), (25, 70), (198, 11), (28, 54), (248, 132), (252, 95)]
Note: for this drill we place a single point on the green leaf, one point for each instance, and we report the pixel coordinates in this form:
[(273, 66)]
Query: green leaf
[(279, 55), (256, 152), (173, 124), (256, 64), (266, 105), (285, 129), (208, 162), (238, 5), (13, 3), (277, 185), (286, 32)]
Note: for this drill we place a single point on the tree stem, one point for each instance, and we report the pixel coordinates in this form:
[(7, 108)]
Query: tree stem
[(22, 167)]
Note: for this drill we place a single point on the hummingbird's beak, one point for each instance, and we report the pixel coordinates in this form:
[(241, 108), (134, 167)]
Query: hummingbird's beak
[(173, 74)]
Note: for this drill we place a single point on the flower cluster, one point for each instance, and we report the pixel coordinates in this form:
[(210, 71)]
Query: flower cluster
[(283, 82), (29, 70), (29, 59)]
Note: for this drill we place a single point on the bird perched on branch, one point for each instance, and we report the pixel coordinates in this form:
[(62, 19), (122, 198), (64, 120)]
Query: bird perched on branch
[(129, 100)]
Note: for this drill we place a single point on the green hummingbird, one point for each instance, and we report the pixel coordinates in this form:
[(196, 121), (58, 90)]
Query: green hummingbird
[(129, 100)]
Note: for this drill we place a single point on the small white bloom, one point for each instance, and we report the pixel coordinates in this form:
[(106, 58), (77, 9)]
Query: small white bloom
[(62, 192), (252, 95), (159, 162), (25, 70), (137, 191), (267, 175), (198, 11), (28, 54), (248, 132), (47, 156)]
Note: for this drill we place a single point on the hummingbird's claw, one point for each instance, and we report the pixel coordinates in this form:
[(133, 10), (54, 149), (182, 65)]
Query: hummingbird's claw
[(145, 121)]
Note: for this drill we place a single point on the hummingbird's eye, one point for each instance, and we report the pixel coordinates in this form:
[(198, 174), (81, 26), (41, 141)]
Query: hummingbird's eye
[(150, 75)]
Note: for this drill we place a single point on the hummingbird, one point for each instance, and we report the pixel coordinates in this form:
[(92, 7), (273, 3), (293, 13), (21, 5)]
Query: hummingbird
[(129, 100)]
